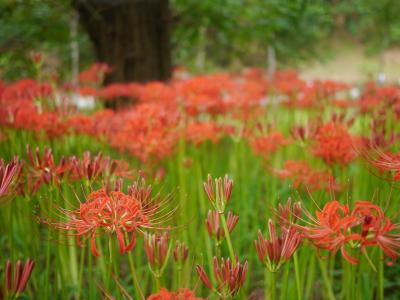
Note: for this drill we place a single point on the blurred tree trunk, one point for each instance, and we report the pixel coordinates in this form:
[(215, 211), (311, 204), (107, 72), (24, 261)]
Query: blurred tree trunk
[(132, 36)]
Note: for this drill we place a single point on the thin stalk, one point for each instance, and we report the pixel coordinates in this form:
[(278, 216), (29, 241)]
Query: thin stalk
[(284, 287), (297, 275), (325, 279), (381, 292), (80, 274), (228, 239), (272, 286), (134, 276)]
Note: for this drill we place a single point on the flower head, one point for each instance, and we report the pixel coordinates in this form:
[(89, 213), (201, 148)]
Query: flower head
[(214, 225), (16, 278), (9, 174), (222, 194), (157, 248), (229, 278), (278, 249), (113, 213)]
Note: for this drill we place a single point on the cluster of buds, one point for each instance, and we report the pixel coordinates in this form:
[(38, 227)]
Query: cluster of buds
[(222, 194), (229, 277), (44, 169), (9, 174), (16, 278), (157, 248), (214, 226), (278, 249), (180, 253)]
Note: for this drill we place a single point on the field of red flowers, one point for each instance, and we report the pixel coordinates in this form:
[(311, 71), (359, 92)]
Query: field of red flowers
[(209, 187)]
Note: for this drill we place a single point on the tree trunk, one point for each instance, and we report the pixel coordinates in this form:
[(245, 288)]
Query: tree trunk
[(131, 36)]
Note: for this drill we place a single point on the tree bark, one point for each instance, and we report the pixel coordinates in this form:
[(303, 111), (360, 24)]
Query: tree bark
[(131, 36)]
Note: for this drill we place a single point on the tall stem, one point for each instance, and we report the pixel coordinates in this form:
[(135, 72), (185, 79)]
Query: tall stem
[(381, 295), (297, 274), (228, 239), (325, 278), (134, 276), (272, 286)]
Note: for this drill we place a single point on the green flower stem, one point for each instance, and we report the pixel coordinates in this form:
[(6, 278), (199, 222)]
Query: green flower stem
[(228, 239), (325, 279), (134, 276), (297, 275)]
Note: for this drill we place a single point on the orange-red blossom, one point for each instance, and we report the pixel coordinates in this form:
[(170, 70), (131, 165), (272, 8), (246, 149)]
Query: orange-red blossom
[(103, 213), (336, 228)]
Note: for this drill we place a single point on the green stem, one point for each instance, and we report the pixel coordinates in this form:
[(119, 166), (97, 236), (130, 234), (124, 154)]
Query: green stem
[(134, 276), (297, 274), (80, 274), (381, 294), (157, 278), (272, 286), (325, 278), (228, 239)]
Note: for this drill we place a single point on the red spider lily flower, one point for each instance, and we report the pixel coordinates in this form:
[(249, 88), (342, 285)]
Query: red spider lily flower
[(214, 227), (222, 194), (94, 74), (16, 278), (44, 169), (86, 167), (303, 176), (384, 162), (334, 144), (199, 132), (181, 252), (278, 249), (269, 143), (331, 229), (9, 174), (181, 294), (289, 213), (157, 248), (102, 213), (229, 278), (377, 230)]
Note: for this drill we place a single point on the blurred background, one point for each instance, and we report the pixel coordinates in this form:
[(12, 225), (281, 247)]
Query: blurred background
[(143, 40)]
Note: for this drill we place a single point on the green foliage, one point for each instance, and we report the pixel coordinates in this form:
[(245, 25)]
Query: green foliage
[(206, 34), (34, 25)]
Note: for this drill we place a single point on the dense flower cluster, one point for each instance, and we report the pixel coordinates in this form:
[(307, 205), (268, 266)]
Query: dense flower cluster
[(338, 228)]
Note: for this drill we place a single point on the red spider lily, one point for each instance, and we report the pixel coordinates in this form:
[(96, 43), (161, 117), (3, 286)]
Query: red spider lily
[(222, 194), (214, 227), (153, 126), (334, 144), (9, 174), (102, 213), (277, 250), (94, 74), (336, 227), (157, 249), (199, 132), (384, 161), (229, 278), (181, 252), (269, 143), (303, 176), (86, 167), (331, 229), (44, 169), (16, 278), (289, 213), (376, 229), (182, 294)]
